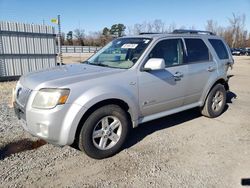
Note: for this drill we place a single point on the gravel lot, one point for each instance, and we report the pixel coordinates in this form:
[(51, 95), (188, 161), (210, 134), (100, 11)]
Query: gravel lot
[(182, 150), (75, 57)]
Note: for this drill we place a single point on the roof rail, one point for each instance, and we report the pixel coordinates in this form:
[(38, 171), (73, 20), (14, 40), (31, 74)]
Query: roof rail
[(148, 33), (181, 31)]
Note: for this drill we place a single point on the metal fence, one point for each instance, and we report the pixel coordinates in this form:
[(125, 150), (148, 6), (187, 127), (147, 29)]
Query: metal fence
[(25, 48), (80, 49)]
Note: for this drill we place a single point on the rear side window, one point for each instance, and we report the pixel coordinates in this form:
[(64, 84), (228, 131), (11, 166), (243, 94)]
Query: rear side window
[(219, 48), (196, 50)]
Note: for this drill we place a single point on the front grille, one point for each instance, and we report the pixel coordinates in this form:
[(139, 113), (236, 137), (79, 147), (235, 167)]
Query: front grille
[(22, 95)]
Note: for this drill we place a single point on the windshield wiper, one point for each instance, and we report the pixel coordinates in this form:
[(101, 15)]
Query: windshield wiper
[(103, 65), (87, 62), (96, 64)]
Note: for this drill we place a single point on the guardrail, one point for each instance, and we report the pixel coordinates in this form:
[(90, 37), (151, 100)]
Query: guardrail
[(80, 49)]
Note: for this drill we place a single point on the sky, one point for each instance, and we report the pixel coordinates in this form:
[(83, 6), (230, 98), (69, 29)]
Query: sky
[(94, 15)]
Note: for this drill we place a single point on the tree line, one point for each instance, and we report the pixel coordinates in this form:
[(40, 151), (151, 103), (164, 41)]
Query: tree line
[(100, 38), (235, 33)]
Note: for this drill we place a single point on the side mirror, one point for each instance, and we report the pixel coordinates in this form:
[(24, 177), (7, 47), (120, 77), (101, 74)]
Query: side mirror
[(154, 64)]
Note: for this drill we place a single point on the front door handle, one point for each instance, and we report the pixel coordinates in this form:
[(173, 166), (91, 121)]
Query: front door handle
[(177, 76), (211, 69)]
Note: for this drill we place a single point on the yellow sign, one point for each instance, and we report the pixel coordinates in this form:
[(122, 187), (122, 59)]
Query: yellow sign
[(54, 20)]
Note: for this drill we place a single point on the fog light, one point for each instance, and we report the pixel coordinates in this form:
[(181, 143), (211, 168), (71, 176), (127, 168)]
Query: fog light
[(43, 130)]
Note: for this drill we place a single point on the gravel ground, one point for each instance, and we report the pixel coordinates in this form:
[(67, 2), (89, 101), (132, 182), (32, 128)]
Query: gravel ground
[(75, 57), (181, 150)]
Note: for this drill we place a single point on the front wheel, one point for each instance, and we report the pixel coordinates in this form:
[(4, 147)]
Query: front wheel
[(104, 132), (215, 102)]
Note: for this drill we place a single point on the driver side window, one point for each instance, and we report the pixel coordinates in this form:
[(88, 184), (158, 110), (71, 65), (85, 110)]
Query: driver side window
[(170, 50)]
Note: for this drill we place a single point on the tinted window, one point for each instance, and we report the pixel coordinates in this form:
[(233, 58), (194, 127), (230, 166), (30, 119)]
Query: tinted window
[(196, 50), (170, 50), (121, 53), (219, 48)]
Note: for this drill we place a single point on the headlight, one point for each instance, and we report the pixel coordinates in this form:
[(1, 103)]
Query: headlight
[(49, 98)]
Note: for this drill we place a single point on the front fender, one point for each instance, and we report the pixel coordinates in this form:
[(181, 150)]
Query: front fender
[(99, 93), (94, 96)]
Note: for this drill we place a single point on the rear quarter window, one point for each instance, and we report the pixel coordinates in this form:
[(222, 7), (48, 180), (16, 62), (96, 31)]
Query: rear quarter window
[(219, 48), (197, 51)]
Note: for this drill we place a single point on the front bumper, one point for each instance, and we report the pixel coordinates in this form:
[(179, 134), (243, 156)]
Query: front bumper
[(19, 111), (56, 126)]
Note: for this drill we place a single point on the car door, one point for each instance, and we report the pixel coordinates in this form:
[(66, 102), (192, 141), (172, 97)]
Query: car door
[(201, 69), (162, 90)]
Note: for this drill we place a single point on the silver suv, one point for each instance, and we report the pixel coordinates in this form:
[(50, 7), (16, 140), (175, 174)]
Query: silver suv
[(130, 81)]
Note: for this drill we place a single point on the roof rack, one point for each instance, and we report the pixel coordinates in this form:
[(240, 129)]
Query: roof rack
[(181, 31), (148, 33)]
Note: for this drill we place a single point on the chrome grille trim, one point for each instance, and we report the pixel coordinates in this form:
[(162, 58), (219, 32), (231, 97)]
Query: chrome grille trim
[(22, 95)]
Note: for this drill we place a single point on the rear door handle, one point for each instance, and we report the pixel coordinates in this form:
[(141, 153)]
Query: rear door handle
[(177, 76), (211, 69)]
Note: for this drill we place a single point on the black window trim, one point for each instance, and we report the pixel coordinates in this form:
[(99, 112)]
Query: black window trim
[(202, 61), (225, 48), (162, 39)]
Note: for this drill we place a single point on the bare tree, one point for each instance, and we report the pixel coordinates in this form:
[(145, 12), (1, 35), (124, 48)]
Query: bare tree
[(170, 28), (248, 41), (130, 30), (235, 33), (227, 35), (138, 28), (192, 27), (220, 30), (212, 26), (158, 26), (79, 35), (149, 27), (237, 24)]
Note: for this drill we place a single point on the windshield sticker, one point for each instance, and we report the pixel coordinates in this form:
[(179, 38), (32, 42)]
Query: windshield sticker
[(146, 41), (129, 46)]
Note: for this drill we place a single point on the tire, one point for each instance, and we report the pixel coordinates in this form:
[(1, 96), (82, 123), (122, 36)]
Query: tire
[(215, 102), (104, 132)]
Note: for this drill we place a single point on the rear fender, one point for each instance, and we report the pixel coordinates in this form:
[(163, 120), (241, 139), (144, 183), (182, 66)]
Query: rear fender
[(210, 85)]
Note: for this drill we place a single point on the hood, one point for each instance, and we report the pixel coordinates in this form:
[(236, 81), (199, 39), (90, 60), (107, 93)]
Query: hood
[(63, 75)]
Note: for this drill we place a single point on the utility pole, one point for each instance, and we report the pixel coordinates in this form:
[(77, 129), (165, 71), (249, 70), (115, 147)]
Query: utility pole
[(59, 40)]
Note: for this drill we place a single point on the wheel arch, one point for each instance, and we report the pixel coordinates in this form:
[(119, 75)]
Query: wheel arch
[(223, 82), (219, 81), (99, 104)]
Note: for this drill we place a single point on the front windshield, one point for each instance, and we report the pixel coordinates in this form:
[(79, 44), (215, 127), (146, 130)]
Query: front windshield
[(121, 53)]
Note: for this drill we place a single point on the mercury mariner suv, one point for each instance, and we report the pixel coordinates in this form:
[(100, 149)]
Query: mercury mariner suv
[(130, 81)]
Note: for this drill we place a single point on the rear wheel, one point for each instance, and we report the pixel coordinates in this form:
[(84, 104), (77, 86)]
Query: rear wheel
[(215, 102), (104, 132)]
